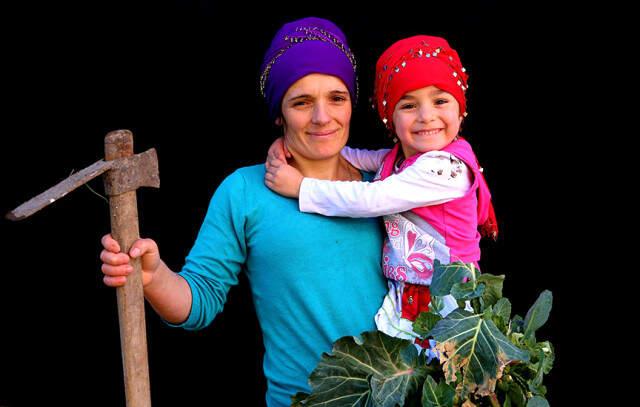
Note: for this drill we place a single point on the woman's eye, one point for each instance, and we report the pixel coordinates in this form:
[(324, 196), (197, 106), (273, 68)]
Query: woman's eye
[(339, 98), (300, 103)]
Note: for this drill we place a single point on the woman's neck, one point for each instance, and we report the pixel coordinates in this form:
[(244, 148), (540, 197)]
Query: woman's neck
[(334, 168)]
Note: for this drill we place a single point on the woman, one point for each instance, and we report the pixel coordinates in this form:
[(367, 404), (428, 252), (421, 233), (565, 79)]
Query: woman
[(313, 279)]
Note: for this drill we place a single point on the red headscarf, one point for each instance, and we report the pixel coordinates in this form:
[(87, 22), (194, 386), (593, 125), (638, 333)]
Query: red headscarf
[(414, 63), (417, 62)]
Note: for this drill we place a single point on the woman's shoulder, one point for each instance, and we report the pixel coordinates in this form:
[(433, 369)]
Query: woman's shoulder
[(241, 177), (250, 173), (240, 183), (367, 176)]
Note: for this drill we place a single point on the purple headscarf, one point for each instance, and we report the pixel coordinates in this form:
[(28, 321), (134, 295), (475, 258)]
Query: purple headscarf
[(302, 47)]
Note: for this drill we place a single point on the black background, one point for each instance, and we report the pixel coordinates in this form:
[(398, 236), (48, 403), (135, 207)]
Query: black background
[(183, 77)]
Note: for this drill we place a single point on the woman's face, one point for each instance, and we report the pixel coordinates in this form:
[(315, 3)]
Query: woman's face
[(316, 112), (426, 119)]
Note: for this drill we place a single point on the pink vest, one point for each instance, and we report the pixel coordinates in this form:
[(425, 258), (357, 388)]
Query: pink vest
[(447, 232)]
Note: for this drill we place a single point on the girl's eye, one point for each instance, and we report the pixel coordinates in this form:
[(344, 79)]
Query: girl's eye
[(441, 101), (407, 106)]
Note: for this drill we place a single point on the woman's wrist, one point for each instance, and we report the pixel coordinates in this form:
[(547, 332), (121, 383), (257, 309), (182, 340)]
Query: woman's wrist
[(158, 279)]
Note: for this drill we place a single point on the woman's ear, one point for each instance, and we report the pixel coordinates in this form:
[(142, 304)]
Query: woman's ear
[(279, 121)]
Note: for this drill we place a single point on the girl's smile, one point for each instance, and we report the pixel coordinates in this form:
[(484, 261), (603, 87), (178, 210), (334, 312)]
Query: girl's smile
[(426, 132)]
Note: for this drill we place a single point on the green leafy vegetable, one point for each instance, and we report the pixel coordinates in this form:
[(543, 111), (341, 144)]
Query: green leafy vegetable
[(486, 356)]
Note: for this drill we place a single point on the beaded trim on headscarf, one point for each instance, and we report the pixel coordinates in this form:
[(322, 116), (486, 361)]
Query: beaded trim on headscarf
[(308, 34), (426, 51)]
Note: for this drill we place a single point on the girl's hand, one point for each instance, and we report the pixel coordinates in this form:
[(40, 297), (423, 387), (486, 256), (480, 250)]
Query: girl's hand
[(278, 150), (283, 178), (116, 265)]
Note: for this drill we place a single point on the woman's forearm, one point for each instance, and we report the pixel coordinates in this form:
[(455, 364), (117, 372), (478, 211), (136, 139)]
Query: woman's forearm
[(169, 294)]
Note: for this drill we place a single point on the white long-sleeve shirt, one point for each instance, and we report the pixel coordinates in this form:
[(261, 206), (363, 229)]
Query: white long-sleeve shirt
[(435, 177), (366, 160)]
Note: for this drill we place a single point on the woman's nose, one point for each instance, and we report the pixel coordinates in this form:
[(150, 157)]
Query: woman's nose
[(320, 114)]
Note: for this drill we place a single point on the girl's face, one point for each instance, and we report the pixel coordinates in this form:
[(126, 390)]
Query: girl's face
[(316, 113), (426, 119)]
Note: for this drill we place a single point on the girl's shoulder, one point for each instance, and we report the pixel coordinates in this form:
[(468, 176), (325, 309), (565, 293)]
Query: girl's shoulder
[(441, 163)]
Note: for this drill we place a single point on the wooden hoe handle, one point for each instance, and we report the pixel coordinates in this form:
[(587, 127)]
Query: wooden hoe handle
[(124, 229)]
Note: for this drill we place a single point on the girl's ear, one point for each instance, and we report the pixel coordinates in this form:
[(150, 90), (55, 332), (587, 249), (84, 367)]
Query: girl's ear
[(461, 119)]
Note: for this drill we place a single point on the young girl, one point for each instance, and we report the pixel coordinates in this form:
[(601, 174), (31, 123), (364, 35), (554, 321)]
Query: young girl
[(429, 188)]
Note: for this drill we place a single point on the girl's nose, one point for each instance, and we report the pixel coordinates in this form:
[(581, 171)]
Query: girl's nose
[(426, 114)]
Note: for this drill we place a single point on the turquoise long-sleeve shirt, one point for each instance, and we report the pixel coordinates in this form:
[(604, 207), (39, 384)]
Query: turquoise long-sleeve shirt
[(313, 279)]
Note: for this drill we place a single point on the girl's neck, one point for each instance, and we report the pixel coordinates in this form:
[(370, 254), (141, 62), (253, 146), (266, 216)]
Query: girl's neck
[(406, 153), (334, 168)]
